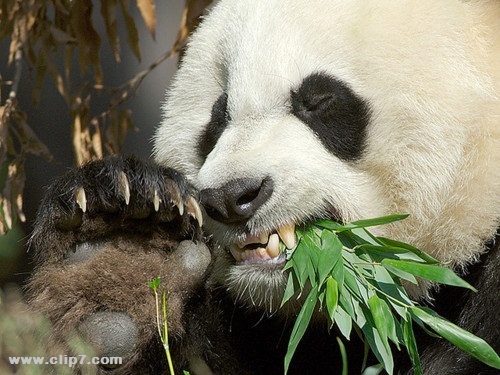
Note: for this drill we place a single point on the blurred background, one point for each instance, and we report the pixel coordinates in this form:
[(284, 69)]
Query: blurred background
[(51, 119)]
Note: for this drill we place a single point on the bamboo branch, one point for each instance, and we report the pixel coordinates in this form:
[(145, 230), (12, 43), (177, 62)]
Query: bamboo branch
[(129, 88)]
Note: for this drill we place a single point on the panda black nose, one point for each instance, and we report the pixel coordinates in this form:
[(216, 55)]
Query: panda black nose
[(237, 200)]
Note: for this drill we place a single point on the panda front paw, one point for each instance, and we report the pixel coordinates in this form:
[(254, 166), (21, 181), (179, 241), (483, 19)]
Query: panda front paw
[(108, 196), (103, 231)]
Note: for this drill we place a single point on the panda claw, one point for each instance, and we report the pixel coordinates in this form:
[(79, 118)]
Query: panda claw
[(194, 210), (81, 198), (180, 206), (124, 187), (156, 201), (175, 196)]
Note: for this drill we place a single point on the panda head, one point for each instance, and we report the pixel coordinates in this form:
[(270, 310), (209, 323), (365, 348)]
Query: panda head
[(284, 113)]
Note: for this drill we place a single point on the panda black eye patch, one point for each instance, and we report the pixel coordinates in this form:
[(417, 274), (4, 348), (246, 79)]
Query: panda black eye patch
[(334, 113), (218, 123)]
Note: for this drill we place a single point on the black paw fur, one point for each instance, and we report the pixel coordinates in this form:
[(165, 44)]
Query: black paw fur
[(102, 232)]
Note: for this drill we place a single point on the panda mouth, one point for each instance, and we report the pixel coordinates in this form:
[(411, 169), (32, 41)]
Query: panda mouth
[(267, 247)]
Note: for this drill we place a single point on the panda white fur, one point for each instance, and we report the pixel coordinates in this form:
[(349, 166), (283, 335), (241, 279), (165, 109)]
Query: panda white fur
[(285, 112)]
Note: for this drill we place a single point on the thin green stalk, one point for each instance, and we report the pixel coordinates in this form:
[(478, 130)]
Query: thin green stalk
[(165, 334), (343, 353), (157, 313)]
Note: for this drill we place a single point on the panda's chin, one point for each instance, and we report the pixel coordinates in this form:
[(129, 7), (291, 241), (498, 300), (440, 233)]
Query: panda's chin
[(257, 284), (254, 273)]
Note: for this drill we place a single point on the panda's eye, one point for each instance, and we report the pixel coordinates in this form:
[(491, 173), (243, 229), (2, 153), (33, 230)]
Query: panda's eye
[(334, 113), (214, 129), (314, 101)]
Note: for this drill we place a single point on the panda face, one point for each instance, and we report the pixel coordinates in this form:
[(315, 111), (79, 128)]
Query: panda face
[(283, 113)]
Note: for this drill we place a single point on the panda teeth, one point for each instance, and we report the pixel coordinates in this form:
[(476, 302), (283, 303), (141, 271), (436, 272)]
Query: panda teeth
[(236, 252), (273, 246), (263, 253), (287, 235), (262, 238), (250, 249)]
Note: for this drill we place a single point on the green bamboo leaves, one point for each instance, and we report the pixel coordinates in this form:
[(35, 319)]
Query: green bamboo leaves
[(356, 278)]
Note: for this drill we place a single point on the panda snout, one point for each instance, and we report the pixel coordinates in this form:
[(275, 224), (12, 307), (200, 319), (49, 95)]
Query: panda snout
[(237, 200)]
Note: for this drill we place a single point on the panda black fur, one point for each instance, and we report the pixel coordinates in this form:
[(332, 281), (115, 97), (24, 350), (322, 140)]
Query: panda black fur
[(285, 112)]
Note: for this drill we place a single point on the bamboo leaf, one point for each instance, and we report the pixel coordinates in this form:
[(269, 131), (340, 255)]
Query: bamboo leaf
[(343, 322), (430, 272), (386, 283), (365, 236), (411, 344), (402, 245), (384, 320), (338, 273), (372, 222), (351, 282), (459, 337), (400, 273), (153, 284), (389, 252), (332, 297), (301, 260), (300, 325), (289, 290), (359, 282), (374, 370), (328, 224), (381, 351), (329, 254)]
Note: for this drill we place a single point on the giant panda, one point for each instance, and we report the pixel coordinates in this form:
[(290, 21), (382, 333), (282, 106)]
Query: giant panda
[(282, 113)]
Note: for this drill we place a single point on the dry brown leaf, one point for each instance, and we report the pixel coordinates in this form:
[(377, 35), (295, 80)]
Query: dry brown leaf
[(41, 71), (16, 179), (76, 132), (31, 143), (51, 68), (148, 12), (96, 141), (7, 211), (108, 12), (60, 36), (45, 33), (191, 17), (132, 34), (86, 133), (3, 228), (89, 41)]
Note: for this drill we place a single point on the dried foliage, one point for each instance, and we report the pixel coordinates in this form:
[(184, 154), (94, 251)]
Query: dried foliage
[(58, 39), (191, 17)]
